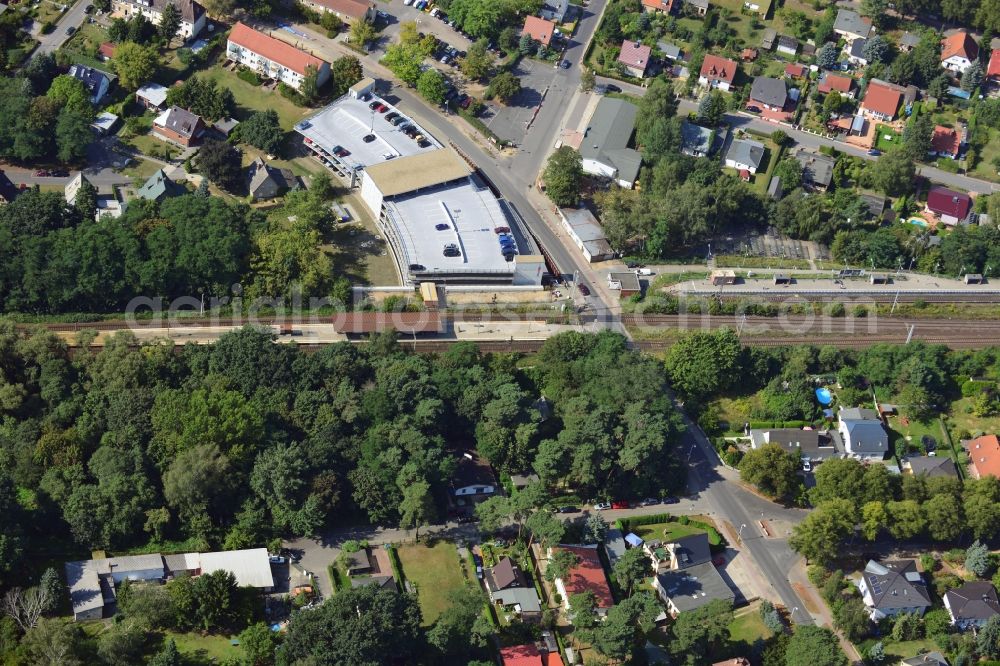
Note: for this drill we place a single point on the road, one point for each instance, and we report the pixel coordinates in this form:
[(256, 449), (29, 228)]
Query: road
[(813, 141), (74, 18)]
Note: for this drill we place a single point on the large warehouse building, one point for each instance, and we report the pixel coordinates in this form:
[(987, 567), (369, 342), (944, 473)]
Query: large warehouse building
[(441, 221)]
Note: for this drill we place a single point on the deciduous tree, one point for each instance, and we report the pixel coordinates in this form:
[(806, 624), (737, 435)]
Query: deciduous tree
[(771, 469), (135, 64), (563, 176)]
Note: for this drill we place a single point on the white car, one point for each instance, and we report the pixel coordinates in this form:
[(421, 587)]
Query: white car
[(408, 2), (806, 465), (602, 506)]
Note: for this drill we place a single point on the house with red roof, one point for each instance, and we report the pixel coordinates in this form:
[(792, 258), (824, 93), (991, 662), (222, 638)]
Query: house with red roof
[(828, 82), (946, 142), (882, 100), (634, 57), (587, 575), (993, 70), (958, 52), (273, 58), (984, 456), (795, 70), (521, 655), (950, 206), (717, 72), (106, 51), (661, 6), (539, 29)]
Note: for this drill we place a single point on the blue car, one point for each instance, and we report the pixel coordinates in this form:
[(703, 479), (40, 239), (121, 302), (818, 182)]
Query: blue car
[(874, 153), (441, 227)]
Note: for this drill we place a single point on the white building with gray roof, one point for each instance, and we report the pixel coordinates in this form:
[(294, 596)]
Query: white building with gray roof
[(745, 154), (863, 434), (605, 150), (892, 588), (850, 25)]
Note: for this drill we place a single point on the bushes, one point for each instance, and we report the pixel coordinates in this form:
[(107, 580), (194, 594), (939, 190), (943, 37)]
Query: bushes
[(48, 27), (249, 76)]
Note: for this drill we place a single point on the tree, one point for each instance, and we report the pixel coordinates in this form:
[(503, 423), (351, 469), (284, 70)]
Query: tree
[(73, 135), (417, 507), (69, 92), (504, 86), (771, 469), (51, 590), (817, 537), (877, 50), (462, 627), (361, 32), (123, 643), (631, 568), (86, 200), (873, 519), (261, 130), (893, 173), (917, 137), (431, 86), (694, 632), (626, 626), (135, 64), (712, 108), (594, 528), (344, 73), (26, 607), (202, 96), (771, 617), (977, 559), (876, 653), (52, 642), (852, 618), (814, 646), (560, 563), (259, 644), (170, 23), (972, 77), (169, 655), (587, 79), (353, 628), (702, 364), (563, 176), (583, 610), (781, 138), (789, 170), (220, 163), (875, 10), (906, 519), (826, 57), (526, 45), (988, 639), (478, 61)]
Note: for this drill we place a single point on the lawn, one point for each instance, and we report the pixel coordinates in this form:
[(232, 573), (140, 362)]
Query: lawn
[(147, 144), (881, 142), (434, 571), (83, 46), (914, 430), (896, 651), (986, 168), (209, 649), (962, 420), (772, 155), (666, 532), (747, 626), (256, 98), (735, 411)]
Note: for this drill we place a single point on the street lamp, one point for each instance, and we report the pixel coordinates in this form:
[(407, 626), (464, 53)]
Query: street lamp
[(739, 535)]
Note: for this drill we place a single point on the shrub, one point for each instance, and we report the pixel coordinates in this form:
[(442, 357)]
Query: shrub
[(683, 520), (48, 27), (817, 574), (833, 586), (249, 76), (927, 562)]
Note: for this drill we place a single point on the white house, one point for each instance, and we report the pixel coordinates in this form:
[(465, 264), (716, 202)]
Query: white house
[(958, 52), (972, 605), (273, 58), (893, 588), (193, 17), (745, 154), (94, 80), (863, 434)]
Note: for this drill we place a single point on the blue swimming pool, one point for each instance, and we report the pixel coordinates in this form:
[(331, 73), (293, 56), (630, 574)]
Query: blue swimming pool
[(824, 396), (918, 222)]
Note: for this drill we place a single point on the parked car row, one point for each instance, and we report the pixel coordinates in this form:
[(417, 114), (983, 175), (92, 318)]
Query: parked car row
[(623, 504)]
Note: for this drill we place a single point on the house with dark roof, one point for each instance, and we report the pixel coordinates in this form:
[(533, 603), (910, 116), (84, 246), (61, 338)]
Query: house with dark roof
[(856, 52), (94, 80), (817, 169), (863, 433), (808, 444), (892, 588), (769, 93), (850, 25), (699, 7), (193, 17), (179, 126), (908, 41), (634, 57), (931, 466), (882, 100), (554, 10), (691, 588), (972, 605), (745, 155), (950, 206), (828, 82), (958, 52), (689, 551), (474, 479), (717, 72), (946, 142), (503, 575), (267, 182), (605, 148), (586, 575), (510, 588), (926, 659), (159, 187), (787, 45)]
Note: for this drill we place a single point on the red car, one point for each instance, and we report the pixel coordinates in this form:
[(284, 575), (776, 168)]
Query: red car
[(381, 108), (584, 289), (619, 505), (41, 173)]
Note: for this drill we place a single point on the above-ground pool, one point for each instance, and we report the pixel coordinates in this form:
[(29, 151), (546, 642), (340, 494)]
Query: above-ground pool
[(918, 222), (824, 396)]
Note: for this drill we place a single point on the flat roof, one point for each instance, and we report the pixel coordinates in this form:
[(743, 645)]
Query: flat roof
[(471, 212), (250, 567), (348, 120), (376, 322), (399, 176)]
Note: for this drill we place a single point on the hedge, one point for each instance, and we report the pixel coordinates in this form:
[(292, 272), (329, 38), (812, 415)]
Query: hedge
[(335, 578), (397, 567)]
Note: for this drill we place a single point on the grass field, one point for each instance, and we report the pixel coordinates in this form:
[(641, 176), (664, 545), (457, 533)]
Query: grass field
[(737, 261), (883, 144), (960, 419), (666, 532), (986, 169), (898, 650), (914, 430), (256, 98), (747, 626), (198, 649), (83, 45), (435, 572)]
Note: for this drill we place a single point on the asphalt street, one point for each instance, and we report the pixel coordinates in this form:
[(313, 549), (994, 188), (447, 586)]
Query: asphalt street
[(74, 17)]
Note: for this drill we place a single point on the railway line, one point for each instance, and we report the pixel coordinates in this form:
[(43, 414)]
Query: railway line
[(859, 296)]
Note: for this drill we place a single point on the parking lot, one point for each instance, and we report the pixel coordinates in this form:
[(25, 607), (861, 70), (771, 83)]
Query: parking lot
[(425, 23), (510, 121)]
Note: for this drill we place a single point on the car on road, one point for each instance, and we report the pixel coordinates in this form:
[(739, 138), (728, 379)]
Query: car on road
[(369, 138), (610, 87), (874, 152), (89, 9), (565, 509), (442, 227), (602, 506), (565, 64), (649, 501), (59, 173), (584, 289), (70, 30), (619, 504), (671, 500)]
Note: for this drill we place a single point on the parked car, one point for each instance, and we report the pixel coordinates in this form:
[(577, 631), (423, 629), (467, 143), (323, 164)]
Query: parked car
[(566, 509), (501, 230), (874, 152), (584, 289), (671, 500), (620, 504), (649, 501), (382, 15), (753, 109), (417, 267), (42, 173), (392, 114), (59, 173), (89, 9), (369, 138), (610, 87), (602, 506), (806, 465), (565, 64), (423, 143), (70, 30), (381, 108), (374, 105), (442, 227), (276, 559)]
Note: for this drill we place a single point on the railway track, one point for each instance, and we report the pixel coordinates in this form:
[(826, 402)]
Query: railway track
[(846, 296)]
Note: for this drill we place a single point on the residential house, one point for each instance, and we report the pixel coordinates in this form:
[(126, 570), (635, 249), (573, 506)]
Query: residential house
[(509, 587), (93, 583), (748, 55), (972, 605), (950, 206), (614, 545), (882, 100), (717, 72), (875, 203), (272, 58), (817, 169), (689, 551), (699, 7), (152, 96), (357, 563), (993, 69), (811, 445), (691, 588), (587, 233), (863, 434), (828, 82), (893, 587), (856, 52), (769, 93), (267, 182), (745, 154), (926, 659), (8, 190), (657, 553), (605, 150), (908, 42), (346, 10), (850, 25), (381, 581), (179, 125), (696, 140), (634, 57), (661, 6), (522, 481), (94, 80), (669, 51), (795, 70), (931, 466), (554, 10), (473, 479), (946, 142), (984, 456), (625, 283), (737, 661), (104, 123), (193, 17), (958, 52), (109, 206), (370, 566), (539, 30), (788, 45), (767, 41), (159, 187), (586, 575), (73, 187), (525, 655)]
